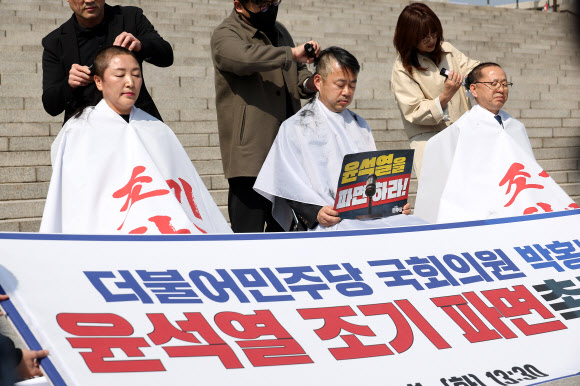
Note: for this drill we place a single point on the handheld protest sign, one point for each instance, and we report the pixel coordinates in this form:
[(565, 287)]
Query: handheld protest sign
[(383, 175)]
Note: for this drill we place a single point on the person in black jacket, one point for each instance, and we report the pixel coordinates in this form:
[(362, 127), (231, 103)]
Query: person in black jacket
[(69, 51), (17, 364), (9, 358)]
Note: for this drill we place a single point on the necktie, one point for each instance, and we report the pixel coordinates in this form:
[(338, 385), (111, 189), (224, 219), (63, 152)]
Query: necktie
[(498, 119)]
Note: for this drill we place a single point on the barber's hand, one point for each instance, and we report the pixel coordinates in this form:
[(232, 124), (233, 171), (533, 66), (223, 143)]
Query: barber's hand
[(128, 41), (28, 366), (407, 209), (450, 87), (79, 76), (327, 216), (299, 53), (2, 298)]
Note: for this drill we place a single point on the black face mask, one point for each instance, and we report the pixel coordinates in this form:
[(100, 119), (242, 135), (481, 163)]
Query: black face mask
[(264, 21)]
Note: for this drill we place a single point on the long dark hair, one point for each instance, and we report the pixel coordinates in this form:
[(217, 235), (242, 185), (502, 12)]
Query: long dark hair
[(415, 22), (100, 64)]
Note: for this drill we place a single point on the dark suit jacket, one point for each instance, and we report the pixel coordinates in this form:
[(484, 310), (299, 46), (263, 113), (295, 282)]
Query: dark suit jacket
[(307, 214), (61, 52), (10, 357)]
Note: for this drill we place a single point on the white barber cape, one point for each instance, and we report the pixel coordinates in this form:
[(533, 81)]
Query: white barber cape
[(114, 177), (305, 160), (478, 169)]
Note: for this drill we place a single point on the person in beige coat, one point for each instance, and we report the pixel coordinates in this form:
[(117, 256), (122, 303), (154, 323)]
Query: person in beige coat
[(260, 76), (428, 101)]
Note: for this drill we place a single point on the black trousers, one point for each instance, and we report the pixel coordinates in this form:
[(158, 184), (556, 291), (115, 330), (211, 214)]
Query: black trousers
[(249, 211)]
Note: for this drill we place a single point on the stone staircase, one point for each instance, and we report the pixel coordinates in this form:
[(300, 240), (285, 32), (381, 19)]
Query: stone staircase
[(537, 51)]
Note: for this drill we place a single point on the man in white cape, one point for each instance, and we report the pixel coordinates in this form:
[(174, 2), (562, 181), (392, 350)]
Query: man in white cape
[(116, 177), (483, 165), (302, 169)]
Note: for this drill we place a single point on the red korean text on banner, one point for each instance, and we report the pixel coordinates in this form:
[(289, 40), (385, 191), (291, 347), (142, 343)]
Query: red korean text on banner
[(284, 350), (334, 324), (516, 176), (163, 224), (521, 302), (101, 333), (164, 331), (133, 189), (188, 195)]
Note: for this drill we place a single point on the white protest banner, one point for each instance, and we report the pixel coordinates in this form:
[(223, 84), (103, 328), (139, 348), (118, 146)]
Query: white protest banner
[(491, 302)]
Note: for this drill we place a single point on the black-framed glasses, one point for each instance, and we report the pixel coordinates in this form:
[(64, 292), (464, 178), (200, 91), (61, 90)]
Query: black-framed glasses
[(495, 85), (266, 5), (428, 38)]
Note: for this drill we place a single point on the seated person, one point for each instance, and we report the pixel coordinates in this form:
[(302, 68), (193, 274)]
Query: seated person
[(117, 169), (302, 169), (483, 165)]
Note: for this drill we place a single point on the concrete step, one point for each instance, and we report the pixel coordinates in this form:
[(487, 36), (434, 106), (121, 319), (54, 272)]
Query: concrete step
[(29, 143), (24, 158), (17, 174), (203, 153), (555, 153), (18, 209), (20, 225), (194, 127), (28, 116), (23, 191)]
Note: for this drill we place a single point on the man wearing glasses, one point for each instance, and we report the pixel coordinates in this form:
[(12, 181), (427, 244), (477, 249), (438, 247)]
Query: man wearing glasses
[(260, 76), (490, 88), (464, 165)]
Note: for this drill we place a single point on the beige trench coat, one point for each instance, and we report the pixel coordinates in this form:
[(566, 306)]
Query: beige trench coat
[(415, 93)]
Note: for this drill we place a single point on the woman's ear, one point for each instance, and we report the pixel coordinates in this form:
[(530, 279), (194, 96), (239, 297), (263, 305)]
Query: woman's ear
[(98, 82)]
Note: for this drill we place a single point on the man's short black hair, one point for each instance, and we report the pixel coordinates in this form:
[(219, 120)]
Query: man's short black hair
[(342, 57), (475, 74)]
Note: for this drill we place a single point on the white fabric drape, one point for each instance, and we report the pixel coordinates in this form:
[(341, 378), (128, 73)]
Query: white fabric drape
[(463, 169), (114, 177), (305, 160)]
